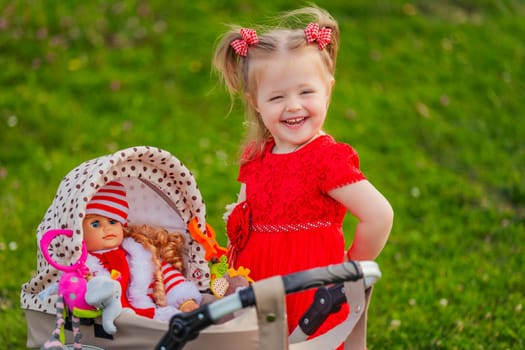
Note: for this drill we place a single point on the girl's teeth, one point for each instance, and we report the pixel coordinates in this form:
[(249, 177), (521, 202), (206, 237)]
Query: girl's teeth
[(294, 121)]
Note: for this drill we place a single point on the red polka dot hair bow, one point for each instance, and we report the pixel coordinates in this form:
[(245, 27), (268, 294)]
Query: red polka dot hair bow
[(321, 35), (249, 37)]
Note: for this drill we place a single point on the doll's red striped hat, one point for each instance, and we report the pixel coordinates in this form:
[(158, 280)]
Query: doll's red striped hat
[(110, 201)]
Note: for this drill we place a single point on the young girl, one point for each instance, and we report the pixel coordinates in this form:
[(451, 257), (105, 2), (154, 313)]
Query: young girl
[(147, 258), (297, 183)]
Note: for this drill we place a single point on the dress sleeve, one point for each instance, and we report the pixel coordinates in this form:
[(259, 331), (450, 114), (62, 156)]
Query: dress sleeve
[(339, 167)]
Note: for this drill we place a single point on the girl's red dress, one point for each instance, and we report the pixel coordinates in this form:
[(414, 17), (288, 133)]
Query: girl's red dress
[(288, 222)]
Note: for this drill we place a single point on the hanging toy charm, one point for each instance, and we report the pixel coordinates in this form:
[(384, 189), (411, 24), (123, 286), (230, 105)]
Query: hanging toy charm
[(224, 280), (83, 295)]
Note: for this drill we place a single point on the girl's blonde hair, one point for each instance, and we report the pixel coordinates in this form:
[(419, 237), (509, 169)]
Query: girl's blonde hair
[(164, 246), (287, 35)]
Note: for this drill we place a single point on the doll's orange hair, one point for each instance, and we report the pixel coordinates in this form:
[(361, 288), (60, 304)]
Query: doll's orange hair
[(164, 246)]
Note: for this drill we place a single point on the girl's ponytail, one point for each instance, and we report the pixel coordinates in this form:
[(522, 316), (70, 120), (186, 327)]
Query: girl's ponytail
[(228, 63)]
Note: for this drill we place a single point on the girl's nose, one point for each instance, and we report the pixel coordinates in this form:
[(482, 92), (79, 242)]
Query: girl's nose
[(293, 106)]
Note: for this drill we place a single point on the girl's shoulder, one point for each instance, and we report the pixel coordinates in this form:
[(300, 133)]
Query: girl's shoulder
[(254, 149), (334, 157), (326, 145), (338, 164)]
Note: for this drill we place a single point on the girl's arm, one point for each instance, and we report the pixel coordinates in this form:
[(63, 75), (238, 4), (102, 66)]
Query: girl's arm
[(241, 197), (242, 193), (375, 217)]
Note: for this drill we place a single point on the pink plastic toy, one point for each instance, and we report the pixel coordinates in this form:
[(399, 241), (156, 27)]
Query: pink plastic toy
[(73, 283)]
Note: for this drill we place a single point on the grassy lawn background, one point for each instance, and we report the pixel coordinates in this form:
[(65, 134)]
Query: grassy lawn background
[(430, 93)]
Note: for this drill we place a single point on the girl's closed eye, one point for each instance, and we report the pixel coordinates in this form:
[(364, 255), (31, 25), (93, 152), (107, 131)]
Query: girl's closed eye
[(275, 98), (307, 91)]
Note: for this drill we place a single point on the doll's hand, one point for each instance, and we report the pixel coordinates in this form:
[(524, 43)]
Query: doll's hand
[(188, 305)]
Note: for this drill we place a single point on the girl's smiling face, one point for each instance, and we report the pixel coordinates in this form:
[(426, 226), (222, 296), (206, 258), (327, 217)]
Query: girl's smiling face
[(101, 232), (292, 96)]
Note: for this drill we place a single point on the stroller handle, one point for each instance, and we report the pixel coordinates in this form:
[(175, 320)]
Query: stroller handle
[(321, 276), (186, 326)]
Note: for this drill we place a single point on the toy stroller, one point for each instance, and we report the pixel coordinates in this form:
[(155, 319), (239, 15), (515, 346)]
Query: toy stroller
[(161, 191)]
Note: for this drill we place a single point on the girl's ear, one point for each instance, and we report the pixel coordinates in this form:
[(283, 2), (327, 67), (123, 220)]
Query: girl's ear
[(331, 84), (251, 101)]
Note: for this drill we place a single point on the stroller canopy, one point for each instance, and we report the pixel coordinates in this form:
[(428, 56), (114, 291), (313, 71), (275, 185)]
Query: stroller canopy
[(161, 191)]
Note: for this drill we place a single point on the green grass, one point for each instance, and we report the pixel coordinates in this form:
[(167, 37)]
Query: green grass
[(430, 93)]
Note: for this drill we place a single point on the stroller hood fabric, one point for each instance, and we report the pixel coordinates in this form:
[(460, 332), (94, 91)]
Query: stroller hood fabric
[(160, 190)]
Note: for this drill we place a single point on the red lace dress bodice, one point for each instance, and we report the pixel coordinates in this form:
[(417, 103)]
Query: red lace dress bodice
[(288, 222)]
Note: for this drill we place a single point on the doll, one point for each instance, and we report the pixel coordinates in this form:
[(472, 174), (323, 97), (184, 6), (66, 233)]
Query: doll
[(144, 269)]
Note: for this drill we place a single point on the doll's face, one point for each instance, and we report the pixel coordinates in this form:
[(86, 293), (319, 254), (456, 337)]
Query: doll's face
[(101, 232)]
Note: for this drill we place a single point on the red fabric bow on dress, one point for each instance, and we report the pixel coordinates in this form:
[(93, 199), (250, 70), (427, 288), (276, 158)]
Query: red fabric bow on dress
[(238, 230), (249, 37), (321, 35)]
